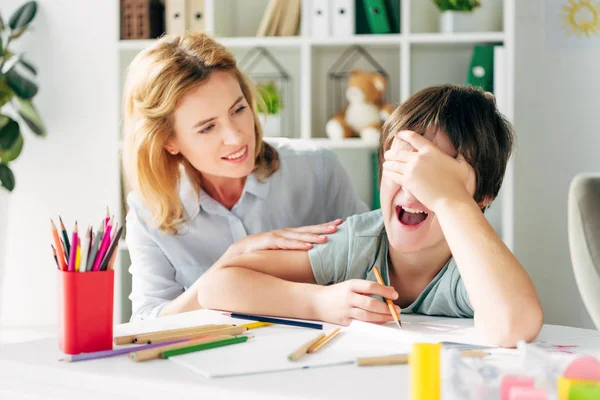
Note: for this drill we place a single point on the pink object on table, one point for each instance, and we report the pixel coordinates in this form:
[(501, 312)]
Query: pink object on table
[(513, 381), (527, 393), (586, 368)]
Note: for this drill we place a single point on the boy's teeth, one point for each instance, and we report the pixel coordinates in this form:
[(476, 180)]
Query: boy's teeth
[(413, 210)]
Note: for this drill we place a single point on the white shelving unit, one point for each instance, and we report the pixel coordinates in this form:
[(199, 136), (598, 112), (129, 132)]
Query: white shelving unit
[(417, 57)]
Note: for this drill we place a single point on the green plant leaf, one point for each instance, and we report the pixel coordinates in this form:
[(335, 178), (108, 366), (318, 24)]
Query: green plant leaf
[(12, 154), (7, 178), (9, 135), (1, 45), (31, 117), (11, 63), (1, 23), (29, 67), (23, 87), (23, 15)]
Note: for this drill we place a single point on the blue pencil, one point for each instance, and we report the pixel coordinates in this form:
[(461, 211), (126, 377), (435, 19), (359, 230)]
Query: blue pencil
[(111, 353), (277, 321)]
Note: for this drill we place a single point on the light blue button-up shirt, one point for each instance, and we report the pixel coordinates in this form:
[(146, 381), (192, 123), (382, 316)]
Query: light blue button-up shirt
[(310, 187)]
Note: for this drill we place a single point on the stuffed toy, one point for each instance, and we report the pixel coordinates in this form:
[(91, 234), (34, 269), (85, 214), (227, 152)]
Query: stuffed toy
[(365, 112)]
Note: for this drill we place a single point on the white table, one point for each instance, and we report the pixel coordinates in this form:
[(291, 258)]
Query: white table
[(31, 370)]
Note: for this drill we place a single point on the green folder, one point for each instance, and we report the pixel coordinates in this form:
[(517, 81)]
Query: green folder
[(375, 175), (361, 23), (481, 70), (377, 16), (393, 10)]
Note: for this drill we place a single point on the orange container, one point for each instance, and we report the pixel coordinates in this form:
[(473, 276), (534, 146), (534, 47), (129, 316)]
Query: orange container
[(85, 311)]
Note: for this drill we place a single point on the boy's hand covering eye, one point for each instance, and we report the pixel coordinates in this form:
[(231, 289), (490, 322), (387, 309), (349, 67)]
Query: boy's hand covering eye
[(431, 175), (345, 301)]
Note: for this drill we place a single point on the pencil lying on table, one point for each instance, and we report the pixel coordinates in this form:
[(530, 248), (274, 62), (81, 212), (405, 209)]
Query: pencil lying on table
[(399, 359), (388, 301), (155, 353), (231, 330), (323, 341), (128, 339)]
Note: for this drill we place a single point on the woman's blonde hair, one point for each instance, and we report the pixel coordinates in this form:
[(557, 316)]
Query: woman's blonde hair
[(157, 79)]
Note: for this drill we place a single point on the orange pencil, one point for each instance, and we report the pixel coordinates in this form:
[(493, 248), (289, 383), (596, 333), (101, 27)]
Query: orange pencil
[(59, 249), (388, 301)]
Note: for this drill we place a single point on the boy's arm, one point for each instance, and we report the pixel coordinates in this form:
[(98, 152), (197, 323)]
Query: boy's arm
[(281, 283)]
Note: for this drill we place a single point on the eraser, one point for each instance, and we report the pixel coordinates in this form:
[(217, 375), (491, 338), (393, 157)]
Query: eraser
[(585, 368), (527, 393), (513, 381)]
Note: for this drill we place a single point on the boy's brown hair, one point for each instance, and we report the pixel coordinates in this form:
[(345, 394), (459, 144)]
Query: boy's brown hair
[(469, 116)]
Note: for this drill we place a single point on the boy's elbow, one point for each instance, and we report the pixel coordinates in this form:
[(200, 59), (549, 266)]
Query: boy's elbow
[(506, 329)]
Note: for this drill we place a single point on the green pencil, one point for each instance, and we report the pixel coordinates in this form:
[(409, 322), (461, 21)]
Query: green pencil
[(203, 346)]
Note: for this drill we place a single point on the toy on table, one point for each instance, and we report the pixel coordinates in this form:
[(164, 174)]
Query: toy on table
[(366, 110)]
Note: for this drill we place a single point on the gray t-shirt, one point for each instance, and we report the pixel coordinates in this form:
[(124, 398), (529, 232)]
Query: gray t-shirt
[(360, 243)]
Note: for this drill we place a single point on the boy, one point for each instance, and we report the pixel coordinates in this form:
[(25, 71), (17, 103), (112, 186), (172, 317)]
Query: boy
[(430, 239)]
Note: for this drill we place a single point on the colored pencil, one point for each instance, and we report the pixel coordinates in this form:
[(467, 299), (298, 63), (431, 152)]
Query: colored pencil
[(153, 354), (59, 249), (401, 359), (111, 262), (144, 337), (302, 350), (85, 249), (388, 301), (103, 247), (107, 218), (95, 247), (113, 245), (324, 341), (235, 330), (277, 321), (78, 255), (203, 346), (65, 237), (127, 339), (255, 325), (73, 252), (116, 352), (55, 258)]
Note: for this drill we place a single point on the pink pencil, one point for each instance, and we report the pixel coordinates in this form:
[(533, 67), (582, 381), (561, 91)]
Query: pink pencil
[(73, 254), (103, 246)]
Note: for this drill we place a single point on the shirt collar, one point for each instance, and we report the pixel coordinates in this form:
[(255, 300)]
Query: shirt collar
[(192, 201)]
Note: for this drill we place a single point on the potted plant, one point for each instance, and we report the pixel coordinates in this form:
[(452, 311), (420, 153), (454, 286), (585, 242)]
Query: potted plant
[(456, 15), (270, 110), (17, 89)]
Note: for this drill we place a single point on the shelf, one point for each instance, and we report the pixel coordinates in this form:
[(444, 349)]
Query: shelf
[(370, 40), (354, 143), (455, 38)]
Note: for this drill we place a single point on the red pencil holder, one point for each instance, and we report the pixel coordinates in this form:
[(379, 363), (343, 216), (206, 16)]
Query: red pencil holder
[(85, 311)]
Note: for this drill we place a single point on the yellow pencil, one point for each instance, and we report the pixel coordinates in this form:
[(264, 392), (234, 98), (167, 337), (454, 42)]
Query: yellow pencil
[(78, 256), (255, 325), (301, 351), (321, 343), (388, 301)]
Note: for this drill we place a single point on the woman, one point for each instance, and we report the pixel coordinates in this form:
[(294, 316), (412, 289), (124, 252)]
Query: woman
[(205, 185)]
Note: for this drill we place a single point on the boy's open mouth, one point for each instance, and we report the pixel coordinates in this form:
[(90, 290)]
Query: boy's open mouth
[(410, 216)]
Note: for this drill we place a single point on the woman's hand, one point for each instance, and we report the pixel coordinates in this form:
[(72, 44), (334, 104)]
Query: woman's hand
[(345, 301), (284, 239)]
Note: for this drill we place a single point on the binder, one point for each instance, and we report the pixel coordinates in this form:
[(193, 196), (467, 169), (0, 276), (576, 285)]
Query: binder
[(393, 9), (360, 22), (481, 69), (277, 17), (342, 17), (320, 19), (290, 18), (195, 15), (377, 16), (175, 16)]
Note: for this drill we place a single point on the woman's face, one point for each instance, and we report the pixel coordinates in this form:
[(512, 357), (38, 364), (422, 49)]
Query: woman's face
[(214, 128)]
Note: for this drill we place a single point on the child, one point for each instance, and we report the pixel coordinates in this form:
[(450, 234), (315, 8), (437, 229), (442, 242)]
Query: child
[(443, 154)]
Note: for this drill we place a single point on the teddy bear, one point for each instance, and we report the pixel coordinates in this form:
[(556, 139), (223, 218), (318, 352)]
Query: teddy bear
[(365, 112)]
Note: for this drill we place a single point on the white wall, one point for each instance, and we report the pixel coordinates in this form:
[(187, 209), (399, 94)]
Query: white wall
[(558, 127), (72, 171)]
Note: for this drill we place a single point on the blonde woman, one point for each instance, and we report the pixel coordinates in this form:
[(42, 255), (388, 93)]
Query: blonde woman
[(205, 184)]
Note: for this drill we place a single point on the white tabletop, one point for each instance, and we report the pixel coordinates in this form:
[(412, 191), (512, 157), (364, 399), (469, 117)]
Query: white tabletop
[(32, 370)]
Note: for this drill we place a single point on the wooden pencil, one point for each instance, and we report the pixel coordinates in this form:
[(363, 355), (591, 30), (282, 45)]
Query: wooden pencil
[(73, 251), (323, 342), (235, 330), (401, 359), (203, 346), (301, 351), (389, 302), (55, 258), (65, 237), (153, 354), (145, 337), (128, 339), (60, 253)]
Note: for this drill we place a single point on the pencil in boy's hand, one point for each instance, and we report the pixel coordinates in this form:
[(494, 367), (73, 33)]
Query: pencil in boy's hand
[(65, 238), (388, 301)]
